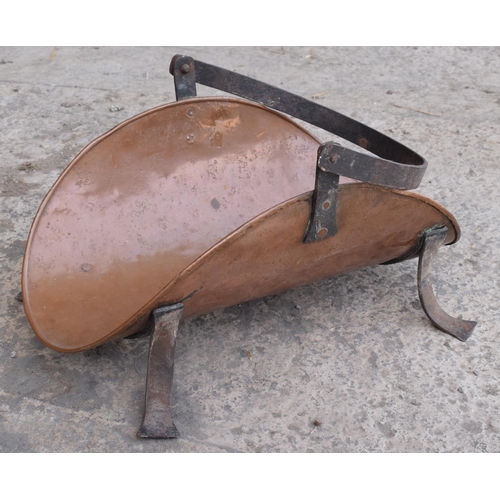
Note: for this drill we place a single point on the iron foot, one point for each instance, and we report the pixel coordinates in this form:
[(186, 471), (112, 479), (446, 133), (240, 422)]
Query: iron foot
[(158, 423), (433, 239)]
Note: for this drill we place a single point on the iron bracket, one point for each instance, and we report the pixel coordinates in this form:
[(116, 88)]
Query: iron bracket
[(323, 220), (182, 69)]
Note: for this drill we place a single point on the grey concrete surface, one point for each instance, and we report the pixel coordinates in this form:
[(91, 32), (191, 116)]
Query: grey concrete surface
[(355, 352)]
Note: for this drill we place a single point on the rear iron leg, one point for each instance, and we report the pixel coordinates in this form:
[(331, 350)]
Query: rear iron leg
[(432, 240), (158, 421)]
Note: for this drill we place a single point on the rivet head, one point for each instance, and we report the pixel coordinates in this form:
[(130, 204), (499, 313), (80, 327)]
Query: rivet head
[(326, 205), (185, 69), (86, 267), (190, 138), (322, 232), (190, 112), (334, 158)]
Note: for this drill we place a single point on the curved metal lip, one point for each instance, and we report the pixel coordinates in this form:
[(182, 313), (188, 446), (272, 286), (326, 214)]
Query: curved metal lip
[(154, 301)]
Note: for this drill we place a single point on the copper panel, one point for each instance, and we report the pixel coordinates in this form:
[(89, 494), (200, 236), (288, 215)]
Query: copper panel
[(268, 255), (142, 202)]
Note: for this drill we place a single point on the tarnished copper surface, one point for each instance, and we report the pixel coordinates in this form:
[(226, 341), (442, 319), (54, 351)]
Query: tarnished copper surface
[(142, 203), (268, 255)]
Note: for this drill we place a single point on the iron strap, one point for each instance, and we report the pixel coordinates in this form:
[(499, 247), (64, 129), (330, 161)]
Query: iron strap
[(397, 166), (394, 166)]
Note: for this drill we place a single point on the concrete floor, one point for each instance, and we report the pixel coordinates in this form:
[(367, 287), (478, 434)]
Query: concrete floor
[(356, 352)]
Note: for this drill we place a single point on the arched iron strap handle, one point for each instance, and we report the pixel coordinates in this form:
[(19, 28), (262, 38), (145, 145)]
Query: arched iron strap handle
[(395, 166)]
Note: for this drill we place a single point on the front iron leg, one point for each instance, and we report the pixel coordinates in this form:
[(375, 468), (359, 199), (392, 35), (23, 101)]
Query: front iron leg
[(433, 239), (158, 421)]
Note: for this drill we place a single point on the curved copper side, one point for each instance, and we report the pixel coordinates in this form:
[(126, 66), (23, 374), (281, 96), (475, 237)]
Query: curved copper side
[(266, 255), (141, 203)]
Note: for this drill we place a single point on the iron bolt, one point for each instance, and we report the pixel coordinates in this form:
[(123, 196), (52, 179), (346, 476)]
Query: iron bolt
[(334, 158), (185, 68)]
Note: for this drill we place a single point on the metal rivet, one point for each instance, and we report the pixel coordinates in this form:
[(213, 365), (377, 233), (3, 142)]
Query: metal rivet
[(334, 158), (190, 138), (185, 69), (322, 232), (86, 267), (363, 142), (190, 112), (326, 205)]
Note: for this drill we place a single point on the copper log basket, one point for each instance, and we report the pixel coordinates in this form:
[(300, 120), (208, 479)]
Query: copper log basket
[(205, 203)]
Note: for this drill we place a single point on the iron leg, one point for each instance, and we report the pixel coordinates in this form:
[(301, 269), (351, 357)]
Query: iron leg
[(433, 239), (158, 421)]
